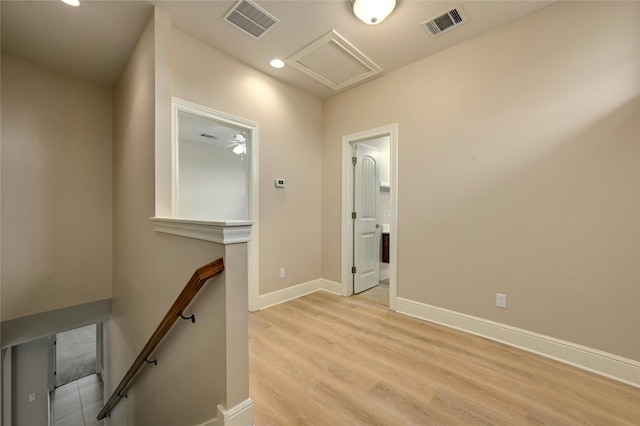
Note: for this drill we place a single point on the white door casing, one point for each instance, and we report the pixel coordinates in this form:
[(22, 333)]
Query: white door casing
[(366, 247)]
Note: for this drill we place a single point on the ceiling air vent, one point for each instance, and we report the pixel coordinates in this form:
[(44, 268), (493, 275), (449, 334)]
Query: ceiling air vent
[(250, 18), (444, 22)]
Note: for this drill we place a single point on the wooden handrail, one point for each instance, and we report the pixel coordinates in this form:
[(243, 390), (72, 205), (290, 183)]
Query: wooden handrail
[(200, 276)]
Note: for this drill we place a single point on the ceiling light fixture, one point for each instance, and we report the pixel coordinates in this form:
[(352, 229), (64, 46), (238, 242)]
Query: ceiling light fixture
[(239, 145), (373, 12), (240, 149), (277, 63), (74, 3)]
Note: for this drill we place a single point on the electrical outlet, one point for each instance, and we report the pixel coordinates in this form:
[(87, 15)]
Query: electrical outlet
[(283, 272), (32, 397), (501, 300)]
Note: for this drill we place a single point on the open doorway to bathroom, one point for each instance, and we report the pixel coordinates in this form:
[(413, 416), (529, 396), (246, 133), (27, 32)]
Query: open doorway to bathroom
[(369, 215), (371, 195)]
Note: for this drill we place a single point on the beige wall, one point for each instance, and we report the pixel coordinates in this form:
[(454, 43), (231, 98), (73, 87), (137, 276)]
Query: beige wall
[(290, 148), (518, 173), (56, 190), (150, 269), (2, 389)]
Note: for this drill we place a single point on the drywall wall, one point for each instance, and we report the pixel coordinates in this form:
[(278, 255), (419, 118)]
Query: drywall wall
[(290, 148), (3, 389), (3, 396), (32, 327), (150, 269), (6, 379), (518, 174), (56, 190), (30, 363)]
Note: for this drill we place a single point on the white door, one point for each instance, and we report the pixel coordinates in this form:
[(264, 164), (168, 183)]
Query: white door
[(366, 230)]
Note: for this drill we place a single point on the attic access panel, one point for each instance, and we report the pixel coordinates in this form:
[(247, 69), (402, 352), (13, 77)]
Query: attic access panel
[(334, 62)]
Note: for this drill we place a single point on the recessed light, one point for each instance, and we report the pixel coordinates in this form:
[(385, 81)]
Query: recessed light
[(277, 63), (74, 3)]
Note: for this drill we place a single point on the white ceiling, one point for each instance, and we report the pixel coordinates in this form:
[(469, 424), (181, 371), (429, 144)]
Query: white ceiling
[(192, 127), (93, 41)]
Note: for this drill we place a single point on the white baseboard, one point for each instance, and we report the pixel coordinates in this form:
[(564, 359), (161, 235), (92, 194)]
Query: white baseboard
[(385, 273), (605, 364), (239, 415), (286, 294), (211, 422), (293, 292), (331, 286)]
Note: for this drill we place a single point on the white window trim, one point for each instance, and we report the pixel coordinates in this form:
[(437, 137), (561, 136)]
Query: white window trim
[(222, 232)]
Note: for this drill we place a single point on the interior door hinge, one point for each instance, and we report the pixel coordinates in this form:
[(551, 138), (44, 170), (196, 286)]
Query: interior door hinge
[(354, 160), (353, 269), (354, 215)]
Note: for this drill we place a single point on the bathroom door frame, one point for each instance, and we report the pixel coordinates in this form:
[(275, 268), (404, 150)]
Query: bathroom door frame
[(348, 141)]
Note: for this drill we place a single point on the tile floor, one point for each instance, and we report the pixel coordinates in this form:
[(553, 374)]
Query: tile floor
[(77, 403), (378, 294)]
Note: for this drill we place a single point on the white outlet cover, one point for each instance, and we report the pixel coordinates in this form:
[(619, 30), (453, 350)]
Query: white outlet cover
[(32, 397), (501, 300)]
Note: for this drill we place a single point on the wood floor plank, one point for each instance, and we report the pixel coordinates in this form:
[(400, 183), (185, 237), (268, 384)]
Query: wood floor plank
[(329, 360)]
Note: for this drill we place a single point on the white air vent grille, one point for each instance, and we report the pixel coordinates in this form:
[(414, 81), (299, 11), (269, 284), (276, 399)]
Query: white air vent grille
[(250, 18), (444, 22)]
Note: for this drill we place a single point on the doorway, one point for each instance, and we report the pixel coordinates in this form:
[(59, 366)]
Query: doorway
[(76, 392), (74, 354), (369, 211)]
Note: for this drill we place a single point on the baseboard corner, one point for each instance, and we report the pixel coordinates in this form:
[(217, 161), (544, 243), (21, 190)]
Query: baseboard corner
[(238, 415), (331, 286), (280, 296)]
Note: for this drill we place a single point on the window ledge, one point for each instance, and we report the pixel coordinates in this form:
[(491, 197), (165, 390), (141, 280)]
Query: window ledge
[(222, 232)]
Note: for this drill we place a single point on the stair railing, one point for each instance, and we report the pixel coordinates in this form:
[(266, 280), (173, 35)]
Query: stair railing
[(200, 276)]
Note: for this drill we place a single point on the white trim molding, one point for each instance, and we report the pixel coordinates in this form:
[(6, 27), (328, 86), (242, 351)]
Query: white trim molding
[(222, 232), (239, 415), (286, 294), (605, 364), (211, 422)]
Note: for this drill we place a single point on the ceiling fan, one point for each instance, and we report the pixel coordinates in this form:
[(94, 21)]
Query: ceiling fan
[(239, 144)]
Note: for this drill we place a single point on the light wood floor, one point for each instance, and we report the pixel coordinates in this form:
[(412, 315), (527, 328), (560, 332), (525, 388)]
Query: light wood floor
[(328, 360)]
